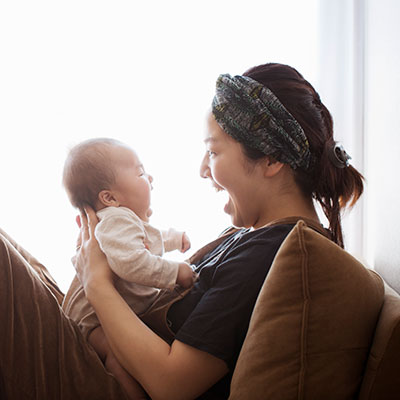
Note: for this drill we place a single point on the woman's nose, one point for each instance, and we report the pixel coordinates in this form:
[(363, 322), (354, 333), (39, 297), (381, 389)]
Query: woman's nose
[(204, 168)]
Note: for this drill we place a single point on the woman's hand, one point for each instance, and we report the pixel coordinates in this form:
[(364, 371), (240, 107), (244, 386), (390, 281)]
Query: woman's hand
[(90, 262)]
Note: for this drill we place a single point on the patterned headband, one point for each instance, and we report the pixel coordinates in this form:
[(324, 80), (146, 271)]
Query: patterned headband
[(251, 114)]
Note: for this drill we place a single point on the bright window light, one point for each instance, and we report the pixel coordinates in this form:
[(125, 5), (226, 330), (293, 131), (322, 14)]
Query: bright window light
[(141, 72)]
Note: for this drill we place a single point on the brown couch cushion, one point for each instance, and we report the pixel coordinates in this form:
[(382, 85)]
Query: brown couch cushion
[(38, 267), (382, 377), (312, 326)]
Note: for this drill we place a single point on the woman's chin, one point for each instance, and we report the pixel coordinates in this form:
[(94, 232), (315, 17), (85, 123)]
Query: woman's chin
[(236, 218), (229, 209)]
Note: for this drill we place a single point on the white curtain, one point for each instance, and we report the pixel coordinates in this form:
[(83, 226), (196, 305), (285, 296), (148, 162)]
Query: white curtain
[(341, 87)]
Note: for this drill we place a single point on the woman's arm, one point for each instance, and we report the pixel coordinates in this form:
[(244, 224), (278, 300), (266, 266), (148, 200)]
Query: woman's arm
[(178, 371)]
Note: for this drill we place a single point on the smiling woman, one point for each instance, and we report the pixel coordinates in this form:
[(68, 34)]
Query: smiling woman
[(209, 324), (141, 73)]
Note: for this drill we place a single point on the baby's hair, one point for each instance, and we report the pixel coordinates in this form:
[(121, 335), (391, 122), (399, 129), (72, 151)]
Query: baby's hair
[(88, 170)]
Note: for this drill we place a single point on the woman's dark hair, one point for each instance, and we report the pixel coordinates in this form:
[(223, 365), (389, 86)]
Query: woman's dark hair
[(332, 187)]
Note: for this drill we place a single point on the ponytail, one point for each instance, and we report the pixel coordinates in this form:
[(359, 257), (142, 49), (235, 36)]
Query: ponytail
[(336, 188)]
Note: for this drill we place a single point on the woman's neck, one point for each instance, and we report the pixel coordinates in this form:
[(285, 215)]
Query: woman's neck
[(291, 203)]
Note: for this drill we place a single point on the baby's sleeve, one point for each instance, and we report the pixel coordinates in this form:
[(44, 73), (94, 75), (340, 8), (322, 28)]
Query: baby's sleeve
[(172, 239), (121, 238)]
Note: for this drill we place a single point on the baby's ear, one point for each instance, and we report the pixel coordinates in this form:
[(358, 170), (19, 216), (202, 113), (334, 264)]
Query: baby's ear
[(107, 198)]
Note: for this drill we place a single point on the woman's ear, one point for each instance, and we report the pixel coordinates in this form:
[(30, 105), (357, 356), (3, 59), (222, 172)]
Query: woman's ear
[(108, 199), (272, 167)]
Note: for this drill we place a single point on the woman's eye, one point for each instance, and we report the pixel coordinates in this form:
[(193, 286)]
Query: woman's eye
[(210, 153)]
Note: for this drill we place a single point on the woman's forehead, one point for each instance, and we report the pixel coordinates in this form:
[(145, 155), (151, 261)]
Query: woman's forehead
[(214, 133)]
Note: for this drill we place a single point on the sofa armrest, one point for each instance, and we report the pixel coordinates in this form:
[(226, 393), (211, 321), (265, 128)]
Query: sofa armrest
[(381, 378)]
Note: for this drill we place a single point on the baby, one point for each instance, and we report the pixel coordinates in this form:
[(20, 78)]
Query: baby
[(108, 176)]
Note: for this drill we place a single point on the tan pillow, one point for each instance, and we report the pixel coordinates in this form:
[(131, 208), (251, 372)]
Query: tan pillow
[(312, 326)]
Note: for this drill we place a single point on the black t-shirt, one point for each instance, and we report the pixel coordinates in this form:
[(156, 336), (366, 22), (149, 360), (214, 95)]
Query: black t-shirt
[(214, 316)]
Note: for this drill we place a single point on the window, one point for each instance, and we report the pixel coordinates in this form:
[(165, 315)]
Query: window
[(142, 72)]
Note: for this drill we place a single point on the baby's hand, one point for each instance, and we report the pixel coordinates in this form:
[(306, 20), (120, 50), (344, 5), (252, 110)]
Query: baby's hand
[(185, 243), (186, 275)]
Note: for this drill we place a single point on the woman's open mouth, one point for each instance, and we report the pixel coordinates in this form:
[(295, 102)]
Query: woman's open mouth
[(228, 206)]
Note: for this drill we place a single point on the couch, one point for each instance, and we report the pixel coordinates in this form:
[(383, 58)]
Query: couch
[(324, 327)]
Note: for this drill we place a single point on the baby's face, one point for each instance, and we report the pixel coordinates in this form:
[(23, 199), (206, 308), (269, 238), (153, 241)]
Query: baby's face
[(133, 187)]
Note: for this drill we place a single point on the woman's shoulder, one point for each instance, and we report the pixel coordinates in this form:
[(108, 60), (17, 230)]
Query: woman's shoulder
[(267, 234), (253, 249), (264, 233)]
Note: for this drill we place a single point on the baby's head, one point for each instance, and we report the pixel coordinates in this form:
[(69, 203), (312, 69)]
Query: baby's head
[(101, 173)]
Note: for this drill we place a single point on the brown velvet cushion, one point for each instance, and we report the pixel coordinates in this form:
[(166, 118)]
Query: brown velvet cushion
[(382, 377), (312, 326)]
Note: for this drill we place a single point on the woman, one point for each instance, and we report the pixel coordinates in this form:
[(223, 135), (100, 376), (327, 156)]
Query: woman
[(270, 146)]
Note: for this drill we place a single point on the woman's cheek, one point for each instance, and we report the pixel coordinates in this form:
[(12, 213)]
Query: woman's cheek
[(218, 172)]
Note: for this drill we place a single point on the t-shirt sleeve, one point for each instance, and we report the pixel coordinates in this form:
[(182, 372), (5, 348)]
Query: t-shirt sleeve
[(219, 322)]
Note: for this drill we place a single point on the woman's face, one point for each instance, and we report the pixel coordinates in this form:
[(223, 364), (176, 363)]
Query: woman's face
[(226, 166)]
